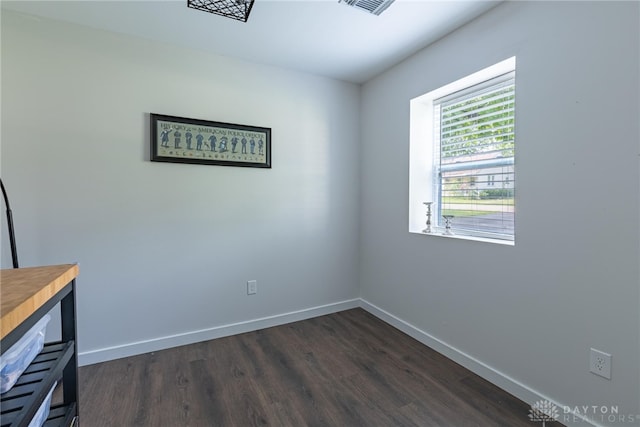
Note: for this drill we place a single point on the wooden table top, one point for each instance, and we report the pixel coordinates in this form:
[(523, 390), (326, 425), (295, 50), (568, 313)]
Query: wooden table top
[(24, 290)]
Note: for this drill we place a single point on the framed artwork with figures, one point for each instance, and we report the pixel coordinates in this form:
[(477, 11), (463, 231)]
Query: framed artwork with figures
[(182, 140)]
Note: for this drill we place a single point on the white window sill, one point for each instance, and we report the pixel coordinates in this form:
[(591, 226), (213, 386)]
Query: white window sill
[(437, 233)]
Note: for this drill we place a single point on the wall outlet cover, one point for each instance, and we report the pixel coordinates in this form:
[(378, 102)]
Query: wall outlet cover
[(252, 287), (600, 363)]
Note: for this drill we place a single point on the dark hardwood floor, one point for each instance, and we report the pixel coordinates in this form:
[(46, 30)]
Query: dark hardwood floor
[(344, 369)]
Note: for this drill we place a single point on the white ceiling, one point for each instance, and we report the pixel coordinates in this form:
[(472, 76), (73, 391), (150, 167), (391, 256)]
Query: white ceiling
[(317, 36)]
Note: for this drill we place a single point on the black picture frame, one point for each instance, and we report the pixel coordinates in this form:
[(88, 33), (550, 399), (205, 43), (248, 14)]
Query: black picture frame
[(182, 140)]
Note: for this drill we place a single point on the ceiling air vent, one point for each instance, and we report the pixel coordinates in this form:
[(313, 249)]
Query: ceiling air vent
[(372, 6)]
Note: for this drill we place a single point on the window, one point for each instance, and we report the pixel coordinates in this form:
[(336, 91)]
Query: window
[(463, 155)]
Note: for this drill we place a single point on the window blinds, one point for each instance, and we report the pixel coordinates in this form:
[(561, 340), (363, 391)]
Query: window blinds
[(475, 146)]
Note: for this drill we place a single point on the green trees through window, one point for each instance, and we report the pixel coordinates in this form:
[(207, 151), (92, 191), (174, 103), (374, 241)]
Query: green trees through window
[(475, 150)]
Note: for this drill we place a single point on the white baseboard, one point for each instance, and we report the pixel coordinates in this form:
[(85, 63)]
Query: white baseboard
[(156, 344), (516, 388)]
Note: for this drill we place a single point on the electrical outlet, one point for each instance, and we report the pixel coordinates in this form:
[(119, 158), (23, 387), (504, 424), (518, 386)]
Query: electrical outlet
[(252, 287), (600, 363)]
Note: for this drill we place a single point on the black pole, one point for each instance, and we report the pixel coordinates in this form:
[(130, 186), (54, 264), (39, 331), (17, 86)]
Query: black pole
[(12, 234)]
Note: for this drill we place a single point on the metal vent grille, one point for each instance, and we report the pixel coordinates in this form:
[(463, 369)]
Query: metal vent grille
[(375, 7)]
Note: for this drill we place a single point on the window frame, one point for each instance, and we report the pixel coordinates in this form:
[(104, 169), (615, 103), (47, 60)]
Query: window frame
[(424, 177)]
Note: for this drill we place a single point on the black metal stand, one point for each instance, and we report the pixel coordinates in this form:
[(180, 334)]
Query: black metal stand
[(12, 234), (57, 361)]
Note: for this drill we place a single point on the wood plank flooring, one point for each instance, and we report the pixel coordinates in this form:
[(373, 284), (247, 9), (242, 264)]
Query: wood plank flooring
[(344, 369)]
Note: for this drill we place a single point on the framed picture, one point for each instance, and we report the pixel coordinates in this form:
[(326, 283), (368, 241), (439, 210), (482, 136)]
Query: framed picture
[(182, 140)]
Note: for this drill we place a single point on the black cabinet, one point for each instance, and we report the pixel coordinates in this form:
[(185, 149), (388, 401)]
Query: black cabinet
[(27, 295)]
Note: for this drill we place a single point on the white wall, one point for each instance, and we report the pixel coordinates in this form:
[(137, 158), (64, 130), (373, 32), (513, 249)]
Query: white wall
[(166, 249), (529, 313)]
